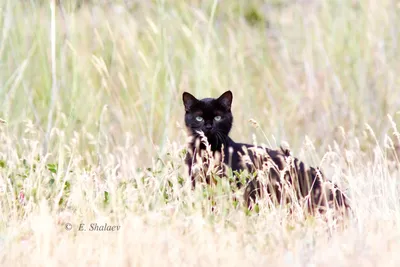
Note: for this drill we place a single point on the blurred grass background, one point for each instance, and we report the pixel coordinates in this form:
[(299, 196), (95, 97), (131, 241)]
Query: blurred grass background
[(299, 68)]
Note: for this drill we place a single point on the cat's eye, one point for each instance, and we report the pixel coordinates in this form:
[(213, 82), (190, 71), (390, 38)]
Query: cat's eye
[(217, 118), (198, 118)]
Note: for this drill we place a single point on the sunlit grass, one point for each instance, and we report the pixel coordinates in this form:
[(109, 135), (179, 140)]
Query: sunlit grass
[(319, 75)]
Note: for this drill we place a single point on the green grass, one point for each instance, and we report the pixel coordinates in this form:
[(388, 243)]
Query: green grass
[(92, 131)]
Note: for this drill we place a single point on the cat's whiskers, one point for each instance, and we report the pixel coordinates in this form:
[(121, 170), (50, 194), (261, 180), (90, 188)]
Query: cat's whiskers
[(223, 138), (220, 139)]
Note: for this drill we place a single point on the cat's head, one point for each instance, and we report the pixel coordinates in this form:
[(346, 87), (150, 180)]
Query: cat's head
[(213, 116)]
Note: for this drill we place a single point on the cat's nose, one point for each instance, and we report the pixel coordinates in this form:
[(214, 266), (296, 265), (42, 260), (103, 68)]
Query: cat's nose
[(209, 126)]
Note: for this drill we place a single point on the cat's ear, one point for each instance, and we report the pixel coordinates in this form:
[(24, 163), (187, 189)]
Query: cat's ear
[(188, 100), (226, 99)]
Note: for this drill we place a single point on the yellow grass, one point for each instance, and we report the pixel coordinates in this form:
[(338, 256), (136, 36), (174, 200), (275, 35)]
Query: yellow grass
[(91, 129)]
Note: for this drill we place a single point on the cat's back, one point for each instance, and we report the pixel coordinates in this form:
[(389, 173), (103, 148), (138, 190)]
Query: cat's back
[(241, 155)]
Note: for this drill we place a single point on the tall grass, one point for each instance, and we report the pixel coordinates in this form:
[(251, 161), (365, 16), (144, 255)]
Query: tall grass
[(91, 129)]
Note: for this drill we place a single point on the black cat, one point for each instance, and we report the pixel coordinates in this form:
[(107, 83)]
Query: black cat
[(209, 122)]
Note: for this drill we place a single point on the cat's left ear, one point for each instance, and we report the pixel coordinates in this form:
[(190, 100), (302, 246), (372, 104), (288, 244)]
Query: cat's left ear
[(226, 99), (188, 100)]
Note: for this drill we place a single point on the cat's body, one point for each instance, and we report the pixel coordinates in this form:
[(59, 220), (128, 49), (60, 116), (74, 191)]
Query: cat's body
[(211, 120)]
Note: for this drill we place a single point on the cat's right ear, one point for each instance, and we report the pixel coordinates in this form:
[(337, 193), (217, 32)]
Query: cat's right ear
[(226, 99), (188, 100)]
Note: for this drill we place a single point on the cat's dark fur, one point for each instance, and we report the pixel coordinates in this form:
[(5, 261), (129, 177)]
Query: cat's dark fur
[(213, 118)]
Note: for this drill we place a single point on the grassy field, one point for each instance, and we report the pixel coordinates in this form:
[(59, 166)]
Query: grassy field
[(92, 132)]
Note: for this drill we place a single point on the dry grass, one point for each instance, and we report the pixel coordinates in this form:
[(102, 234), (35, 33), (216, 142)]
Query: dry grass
[(91, 129)]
